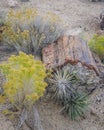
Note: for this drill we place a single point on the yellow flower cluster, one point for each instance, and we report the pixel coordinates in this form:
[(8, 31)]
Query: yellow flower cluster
[(25, 79), (15, 36), (97, 45), (53, 18), (21, 16), (27, 31)]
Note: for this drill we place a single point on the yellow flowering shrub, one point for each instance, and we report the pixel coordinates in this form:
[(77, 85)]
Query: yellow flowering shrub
[(21, 16), (19, 39), (97, 45), (52, 17), (24, 80), (27, 31)]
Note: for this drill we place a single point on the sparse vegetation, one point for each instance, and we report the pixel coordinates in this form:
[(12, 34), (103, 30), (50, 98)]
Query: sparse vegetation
[(61, 84)]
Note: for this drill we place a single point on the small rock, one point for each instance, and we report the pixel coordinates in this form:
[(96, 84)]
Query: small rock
[(98, 99), (12, 3), (93, 112), (75, 31)]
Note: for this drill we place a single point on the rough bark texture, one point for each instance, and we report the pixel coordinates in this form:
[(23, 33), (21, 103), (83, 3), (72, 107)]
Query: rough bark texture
[(68, 49), (100, 66)]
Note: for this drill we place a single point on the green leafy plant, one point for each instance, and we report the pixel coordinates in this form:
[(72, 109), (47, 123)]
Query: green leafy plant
[(61, 84), (62, 88), (24, 80), (76, 105), (27, 31), (97, 45)]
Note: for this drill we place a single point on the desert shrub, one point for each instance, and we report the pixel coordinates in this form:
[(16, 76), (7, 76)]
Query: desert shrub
[(24, 82), (19, 39), (97, 45), (63, 91), (27, 31)]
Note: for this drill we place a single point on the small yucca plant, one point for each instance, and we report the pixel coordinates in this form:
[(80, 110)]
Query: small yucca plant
[(62, 87), (61, 84), (76, 105)]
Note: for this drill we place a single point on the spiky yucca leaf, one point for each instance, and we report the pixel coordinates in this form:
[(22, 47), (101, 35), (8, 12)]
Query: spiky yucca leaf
[(61, 84), (76, 105)]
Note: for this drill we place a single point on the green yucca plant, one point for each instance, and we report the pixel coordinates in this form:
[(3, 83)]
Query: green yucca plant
[(62, 85), (76, 105)]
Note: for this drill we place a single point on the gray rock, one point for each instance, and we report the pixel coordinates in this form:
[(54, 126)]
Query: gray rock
[(12, 3)]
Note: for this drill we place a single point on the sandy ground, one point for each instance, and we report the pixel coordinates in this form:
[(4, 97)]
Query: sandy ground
[(77, 14), (5, 124)]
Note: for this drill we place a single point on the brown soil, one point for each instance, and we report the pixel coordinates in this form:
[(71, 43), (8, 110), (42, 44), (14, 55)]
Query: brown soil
[(77, 14)]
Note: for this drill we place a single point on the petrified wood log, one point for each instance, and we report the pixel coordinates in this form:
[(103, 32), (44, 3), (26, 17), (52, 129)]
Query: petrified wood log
[(68, 49)]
